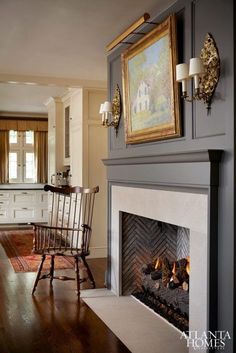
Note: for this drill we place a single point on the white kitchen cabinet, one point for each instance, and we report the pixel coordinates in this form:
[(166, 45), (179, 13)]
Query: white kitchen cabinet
[(87, 147), (23, 206), (4, 206)]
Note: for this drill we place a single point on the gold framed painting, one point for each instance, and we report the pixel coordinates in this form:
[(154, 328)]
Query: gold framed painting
[(150, 91)]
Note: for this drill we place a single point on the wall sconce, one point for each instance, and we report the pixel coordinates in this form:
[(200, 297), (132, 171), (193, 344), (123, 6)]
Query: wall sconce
[(111, 112), (205, 72)]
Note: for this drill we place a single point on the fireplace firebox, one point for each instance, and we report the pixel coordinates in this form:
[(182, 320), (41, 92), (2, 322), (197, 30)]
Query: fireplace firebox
[(156, 266)]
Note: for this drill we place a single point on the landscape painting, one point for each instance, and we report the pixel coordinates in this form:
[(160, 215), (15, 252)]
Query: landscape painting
[(149, 89)]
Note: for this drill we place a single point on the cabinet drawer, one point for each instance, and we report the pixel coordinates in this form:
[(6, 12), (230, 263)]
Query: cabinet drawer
[(26, 214), (24, 197), (4, 216), (4, 195), (4, 203)]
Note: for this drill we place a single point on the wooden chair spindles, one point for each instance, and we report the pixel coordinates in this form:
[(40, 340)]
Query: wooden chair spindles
[(68, 232)]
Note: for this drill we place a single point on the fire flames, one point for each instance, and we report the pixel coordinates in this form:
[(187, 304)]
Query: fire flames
[(158, 264), (174, 268), (188, 265)]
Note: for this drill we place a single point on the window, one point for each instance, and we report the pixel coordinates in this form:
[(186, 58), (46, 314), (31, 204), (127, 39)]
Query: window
[(13, 136), (21, 157)]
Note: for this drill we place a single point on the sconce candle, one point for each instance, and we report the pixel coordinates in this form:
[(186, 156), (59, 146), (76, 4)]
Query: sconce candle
[(111, 112), (102, 112), (195, 69), (182, 75), (107, 109)]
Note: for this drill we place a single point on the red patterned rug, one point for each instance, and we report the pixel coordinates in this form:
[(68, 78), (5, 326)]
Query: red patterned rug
[(18, 247)]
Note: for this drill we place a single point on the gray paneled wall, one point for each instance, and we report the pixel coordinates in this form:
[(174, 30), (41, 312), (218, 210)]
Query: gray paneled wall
[(200, 131), (194, 20)]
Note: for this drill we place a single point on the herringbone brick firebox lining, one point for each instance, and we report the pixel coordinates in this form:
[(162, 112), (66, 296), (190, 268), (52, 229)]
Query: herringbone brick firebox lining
[(144, 240)]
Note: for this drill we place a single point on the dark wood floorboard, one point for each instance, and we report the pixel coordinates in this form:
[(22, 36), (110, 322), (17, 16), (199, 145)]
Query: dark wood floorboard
[(51, 321)]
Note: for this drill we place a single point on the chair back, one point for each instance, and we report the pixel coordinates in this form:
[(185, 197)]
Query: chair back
[(70, 220)]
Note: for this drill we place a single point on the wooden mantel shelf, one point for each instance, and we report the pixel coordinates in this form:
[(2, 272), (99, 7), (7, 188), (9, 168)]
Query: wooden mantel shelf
[(178, 157)]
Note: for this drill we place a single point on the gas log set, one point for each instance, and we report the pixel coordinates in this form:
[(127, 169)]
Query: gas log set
[(165, 289)]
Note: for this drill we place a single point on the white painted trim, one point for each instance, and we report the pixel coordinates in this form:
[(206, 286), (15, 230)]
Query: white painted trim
[(52, 100)]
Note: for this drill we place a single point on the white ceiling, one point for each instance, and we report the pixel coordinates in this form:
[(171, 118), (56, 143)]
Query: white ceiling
[(26, 98), (63, 39)]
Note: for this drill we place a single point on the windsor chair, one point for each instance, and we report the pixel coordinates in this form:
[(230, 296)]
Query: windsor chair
[(68, 232)]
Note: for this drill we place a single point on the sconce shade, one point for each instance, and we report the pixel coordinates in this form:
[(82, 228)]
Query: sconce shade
[(101, 111), (181, 72), (195, 67), (107, 107)]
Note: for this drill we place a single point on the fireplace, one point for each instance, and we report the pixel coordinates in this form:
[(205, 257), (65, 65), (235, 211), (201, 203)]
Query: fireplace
[(183, 209), (156, 266), (180, 189)]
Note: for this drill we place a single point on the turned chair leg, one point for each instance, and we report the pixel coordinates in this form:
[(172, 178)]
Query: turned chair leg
[(52, 268), (77, 275), (39, 273), (89, 272)]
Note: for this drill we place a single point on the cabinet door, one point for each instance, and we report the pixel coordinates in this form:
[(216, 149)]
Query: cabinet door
[(24, 198), (23, 206), (41, 206), (67, 129)]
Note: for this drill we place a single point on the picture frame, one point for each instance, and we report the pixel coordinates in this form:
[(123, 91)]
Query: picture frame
[(150, 92)]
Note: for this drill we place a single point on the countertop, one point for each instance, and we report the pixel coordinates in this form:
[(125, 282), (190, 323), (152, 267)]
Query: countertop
[(13, 186)]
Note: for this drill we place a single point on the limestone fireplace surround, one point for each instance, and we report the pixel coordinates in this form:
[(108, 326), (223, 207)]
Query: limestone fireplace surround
[(183, 209)]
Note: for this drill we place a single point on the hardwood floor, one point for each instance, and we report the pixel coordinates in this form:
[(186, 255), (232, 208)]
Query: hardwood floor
[(50, 321)]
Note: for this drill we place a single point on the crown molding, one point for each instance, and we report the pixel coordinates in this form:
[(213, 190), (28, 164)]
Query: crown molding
[(53, 100), (69, 93), (51, 81)]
